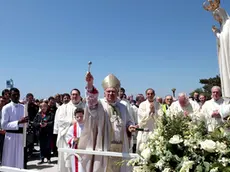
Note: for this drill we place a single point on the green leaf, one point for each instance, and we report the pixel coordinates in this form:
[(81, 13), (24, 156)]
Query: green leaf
[(199, 168)]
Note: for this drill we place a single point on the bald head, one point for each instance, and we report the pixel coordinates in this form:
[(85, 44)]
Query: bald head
[(183, 99), (182, 95)]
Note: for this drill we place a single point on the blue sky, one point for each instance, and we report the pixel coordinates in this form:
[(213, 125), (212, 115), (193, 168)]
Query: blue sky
[(45, 45)]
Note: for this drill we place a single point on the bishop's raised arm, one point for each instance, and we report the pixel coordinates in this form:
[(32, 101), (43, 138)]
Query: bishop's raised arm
[(91, 92)]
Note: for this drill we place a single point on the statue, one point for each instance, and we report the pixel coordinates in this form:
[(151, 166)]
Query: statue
[(223, 43)]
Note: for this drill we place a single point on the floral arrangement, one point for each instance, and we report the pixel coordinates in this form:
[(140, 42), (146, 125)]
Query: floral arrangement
[(182, 144)]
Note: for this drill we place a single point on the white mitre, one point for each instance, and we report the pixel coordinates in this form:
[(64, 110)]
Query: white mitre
[(111, 81)]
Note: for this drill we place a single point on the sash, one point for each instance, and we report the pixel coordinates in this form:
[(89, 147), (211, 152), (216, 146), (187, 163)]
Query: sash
[(75, 146)]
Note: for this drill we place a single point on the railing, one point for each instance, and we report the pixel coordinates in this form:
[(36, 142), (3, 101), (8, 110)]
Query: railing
[(76, 152), (11, 169)]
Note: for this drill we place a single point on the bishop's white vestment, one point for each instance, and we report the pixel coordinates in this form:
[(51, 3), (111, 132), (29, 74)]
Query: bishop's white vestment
[(13, 149), (63, 120), (146, 120), (105, 129), (131, 114), (74, 132)]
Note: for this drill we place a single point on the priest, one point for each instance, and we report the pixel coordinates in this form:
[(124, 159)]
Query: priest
[(64, 118), (186, 106), (215, 110), (107, 127), (147, 114), (12, 122)]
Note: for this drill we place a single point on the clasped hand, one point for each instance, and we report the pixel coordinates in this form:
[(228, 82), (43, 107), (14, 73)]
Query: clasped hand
[(216, 114), (214, 29), (152, 108)]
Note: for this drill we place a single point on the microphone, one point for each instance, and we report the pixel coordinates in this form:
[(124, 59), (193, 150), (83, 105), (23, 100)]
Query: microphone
[(142, 129)]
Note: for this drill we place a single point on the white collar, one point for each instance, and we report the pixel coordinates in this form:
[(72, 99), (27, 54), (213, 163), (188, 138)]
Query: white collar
[(112, 104)]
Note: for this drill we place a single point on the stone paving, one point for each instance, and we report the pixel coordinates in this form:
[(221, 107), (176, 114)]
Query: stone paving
[(33, 164)]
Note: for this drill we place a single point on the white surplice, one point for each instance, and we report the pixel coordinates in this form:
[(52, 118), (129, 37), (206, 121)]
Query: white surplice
[(129, 108), (131, 114), (13, 149), (101, 132), (63, 120), (74, 132), (207, 110), (145, 120), (192, 109), (135, 113), (223, 46)]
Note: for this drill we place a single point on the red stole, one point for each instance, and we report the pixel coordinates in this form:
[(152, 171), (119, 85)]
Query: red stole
[(75, 146)]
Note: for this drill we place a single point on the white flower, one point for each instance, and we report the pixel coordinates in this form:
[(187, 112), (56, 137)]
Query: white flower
[(146, 153), (208, 145), (224, 161), (176, 139), (134, 161), (167, 170), (160, 164), (221, 147), (186, 142), (143, 168), (187, 165), (214, 169)]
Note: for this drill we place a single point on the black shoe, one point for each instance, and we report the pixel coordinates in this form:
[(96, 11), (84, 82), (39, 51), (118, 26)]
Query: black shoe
[(34, 150), (49, 162), (41, 162)]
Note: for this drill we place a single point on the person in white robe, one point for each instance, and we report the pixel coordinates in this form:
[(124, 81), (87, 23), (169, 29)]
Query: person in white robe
[(147, 115), (139, 99), (107, 126), (223, 44), (73, 136), (130, 109), (64, 118), (186, 106), (212, 109), (12, 122)]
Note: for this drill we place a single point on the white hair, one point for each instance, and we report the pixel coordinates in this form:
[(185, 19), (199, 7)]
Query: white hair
[(182, 95), (216, 87)]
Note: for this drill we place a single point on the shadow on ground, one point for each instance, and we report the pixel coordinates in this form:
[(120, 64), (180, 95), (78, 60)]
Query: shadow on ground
[(38, 167)]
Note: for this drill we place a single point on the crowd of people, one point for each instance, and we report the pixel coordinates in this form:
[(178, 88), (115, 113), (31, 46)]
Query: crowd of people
[(114, 123)]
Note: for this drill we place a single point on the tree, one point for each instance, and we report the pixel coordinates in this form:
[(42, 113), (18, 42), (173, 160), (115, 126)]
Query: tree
[(209, 83), (207, 86), (198, 90)]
